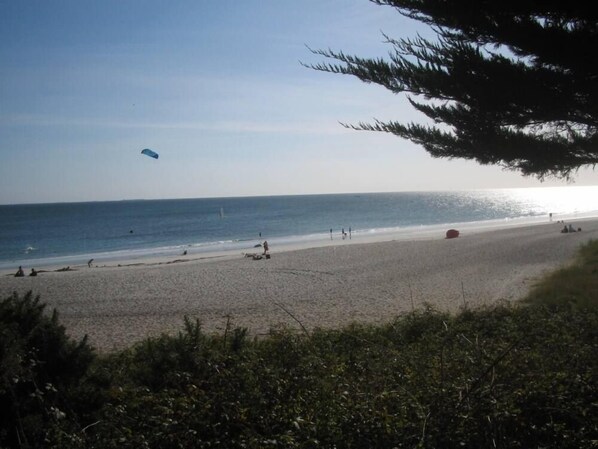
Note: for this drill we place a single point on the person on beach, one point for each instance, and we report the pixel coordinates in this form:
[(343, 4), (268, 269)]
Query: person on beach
[(266, 247), (89, 262), (19, 273), (330, 233), (33, 272)]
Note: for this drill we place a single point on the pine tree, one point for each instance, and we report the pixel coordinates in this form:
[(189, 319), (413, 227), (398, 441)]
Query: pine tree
[(511, 83)]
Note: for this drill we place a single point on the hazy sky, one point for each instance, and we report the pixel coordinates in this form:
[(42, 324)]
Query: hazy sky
[(217, 89)]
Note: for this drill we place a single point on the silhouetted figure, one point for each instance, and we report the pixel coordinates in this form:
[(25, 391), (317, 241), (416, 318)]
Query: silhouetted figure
[(33, 272), (19, 273)]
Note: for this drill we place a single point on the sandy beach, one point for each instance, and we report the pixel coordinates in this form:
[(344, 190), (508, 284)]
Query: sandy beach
[(327, 286)]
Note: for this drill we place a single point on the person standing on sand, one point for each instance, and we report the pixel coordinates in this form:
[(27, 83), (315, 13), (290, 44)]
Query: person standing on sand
[(266, 248)]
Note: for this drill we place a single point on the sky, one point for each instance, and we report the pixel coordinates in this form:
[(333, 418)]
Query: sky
[(217, 88)]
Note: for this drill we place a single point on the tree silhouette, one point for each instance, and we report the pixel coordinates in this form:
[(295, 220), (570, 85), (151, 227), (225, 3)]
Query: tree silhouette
[(511, 83)]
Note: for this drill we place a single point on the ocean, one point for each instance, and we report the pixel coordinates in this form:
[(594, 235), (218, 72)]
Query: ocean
[(70, 233)]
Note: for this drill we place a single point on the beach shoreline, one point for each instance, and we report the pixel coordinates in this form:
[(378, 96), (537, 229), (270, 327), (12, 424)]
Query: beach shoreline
[(190, 253), (367, 280)]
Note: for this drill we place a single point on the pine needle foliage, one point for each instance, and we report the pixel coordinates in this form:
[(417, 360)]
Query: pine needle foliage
[(510, 83)]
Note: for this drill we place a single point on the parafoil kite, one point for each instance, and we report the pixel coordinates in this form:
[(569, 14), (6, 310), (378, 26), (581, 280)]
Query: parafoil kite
[(150, 153)]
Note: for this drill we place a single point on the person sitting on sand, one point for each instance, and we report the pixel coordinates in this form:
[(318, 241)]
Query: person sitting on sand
[(33, 272), (19, 273), (564, 230)]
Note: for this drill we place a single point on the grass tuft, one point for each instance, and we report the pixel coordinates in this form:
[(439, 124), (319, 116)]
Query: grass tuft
[(575, 286)]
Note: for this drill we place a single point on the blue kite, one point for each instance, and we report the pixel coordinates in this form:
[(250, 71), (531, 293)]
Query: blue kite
[(150, 153)]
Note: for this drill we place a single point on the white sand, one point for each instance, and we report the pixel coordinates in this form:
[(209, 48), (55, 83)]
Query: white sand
[(328, 286)]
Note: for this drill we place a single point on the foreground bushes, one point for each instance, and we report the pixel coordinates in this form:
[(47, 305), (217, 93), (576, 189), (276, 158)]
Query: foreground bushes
[(501, 378), (510, 377), (40, 374)]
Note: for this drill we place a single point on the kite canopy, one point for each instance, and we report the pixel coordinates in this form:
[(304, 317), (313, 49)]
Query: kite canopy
[(150, 153)]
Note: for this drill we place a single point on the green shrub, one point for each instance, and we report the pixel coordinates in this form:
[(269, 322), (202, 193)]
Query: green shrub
[(506, 377), (510, 376), (40, 370)]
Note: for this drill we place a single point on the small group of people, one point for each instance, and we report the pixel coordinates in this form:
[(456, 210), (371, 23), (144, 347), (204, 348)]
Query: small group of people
[(568, 228), (20, 273), (344, 235), (266, 253)]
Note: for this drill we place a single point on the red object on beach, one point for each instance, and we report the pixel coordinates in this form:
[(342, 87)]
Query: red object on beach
[(452, 233)]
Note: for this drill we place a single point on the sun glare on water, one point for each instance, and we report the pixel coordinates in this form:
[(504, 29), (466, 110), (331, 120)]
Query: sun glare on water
[(557, 200)]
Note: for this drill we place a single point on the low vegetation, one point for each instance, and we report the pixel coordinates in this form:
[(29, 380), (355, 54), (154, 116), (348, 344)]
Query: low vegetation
[(514, 376)]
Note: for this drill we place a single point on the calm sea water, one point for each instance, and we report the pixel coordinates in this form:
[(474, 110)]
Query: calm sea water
[(73, 232)]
